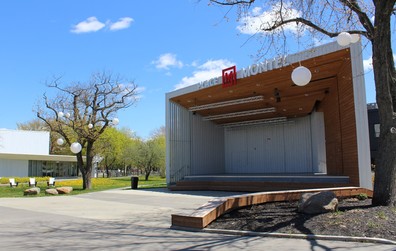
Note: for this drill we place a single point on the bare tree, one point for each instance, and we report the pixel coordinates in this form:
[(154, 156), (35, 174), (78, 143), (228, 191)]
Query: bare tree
[(370, 19), (82, 111)]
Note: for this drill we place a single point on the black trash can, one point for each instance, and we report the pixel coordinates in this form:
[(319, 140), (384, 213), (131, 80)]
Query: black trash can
[(134, 182)]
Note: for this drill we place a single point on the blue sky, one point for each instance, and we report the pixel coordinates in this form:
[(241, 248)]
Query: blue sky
[(160, 45)]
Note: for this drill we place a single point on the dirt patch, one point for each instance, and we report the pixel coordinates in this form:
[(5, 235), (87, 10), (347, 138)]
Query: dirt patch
[(353, 218)]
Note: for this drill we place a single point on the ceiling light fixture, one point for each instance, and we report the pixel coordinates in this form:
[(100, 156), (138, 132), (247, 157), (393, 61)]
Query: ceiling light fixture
[(272, 121), (240, 114), (226, 103)]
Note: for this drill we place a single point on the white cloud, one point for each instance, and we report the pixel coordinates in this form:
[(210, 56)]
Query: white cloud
[(259, 19), (208, 70), (122, 23), (91, 24), (165, 61), (368, 64)]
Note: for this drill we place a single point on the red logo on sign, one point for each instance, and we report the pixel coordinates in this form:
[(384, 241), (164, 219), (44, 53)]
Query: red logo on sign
[(229, 76)]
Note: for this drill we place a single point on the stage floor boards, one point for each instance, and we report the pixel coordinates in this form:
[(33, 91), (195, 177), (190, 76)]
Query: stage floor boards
[(306, 178), (259, 182)]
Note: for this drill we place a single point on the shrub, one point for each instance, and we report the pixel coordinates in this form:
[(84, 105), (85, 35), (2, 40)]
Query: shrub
[(362, 196)]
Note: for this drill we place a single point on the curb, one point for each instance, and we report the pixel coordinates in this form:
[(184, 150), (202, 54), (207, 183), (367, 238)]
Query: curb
[(289, 236)]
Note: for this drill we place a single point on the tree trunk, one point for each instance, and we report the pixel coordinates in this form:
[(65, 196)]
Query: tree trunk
[(107, 171), (146, 176), (87, 180), (87, 174), (385, 84)]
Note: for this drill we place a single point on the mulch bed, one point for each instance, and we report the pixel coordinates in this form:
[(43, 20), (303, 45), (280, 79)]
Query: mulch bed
[(353, 218)]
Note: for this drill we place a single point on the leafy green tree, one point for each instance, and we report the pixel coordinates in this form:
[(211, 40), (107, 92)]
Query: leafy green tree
[(129, 153), (109, 147), (150, 154), (33, 125), (116, 148), (81, 112), (369, 19), (159, 140)]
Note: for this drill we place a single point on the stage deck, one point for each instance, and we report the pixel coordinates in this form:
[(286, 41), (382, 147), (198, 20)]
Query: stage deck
[(306, 178), (259, 182)]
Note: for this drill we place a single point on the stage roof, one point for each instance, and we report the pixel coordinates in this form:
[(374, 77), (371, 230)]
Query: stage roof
[(270, 94)]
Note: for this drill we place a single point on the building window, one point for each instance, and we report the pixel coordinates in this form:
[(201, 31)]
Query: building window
[(39, 168), (377, 130)]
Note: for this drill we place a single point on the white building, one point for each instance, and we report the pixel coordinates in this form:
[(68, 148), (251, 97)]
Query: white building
[(26, 153)]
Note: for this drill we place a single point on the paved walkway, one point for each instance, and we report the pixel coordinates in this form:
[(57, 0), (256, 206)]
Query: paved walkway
[(129, 220)]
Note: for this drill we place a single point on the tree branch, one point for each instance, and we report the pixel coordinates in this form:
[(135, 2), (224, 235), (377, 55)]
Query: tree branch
[(363, 18), (310, 24), (232, 2)]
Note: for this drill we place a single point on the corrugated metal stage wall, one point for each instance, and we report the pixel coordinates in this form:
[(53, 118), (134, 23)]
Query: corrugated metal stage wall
[(207, 147), (195, 146), (178, 142), (282, 148), (200, 147)]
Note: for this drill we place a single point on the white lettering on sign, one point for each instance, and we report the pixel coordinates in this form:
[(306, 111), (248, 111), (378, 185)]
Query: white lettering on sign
[(261, 67), (252, 70), (210, 82)]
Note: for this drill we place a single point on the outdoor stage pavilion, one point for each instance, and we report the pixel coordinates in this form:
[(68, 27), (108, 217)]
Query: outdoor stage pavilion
[(263, 132)]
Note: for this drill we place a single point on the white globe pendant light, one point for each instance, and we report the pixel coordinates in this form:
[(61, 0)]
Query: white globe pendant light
[(344, 38), (355, 38), (90, 126), (67, 115), (301, 76), (75, 147), (60, 141), (115, 121), (60, 114)]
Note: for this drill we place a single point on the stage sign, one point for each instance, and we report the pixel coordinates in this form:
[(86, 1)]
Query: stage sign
[(229, 76)]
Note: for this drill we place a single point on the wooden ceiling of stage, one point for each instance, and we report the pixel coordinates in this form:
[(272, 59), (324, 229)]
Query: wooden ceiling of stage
[(295, 101)]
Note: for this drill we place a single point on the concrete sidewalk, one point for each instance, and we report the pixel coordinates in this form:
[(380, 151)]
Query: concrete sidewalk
[(125, 219)]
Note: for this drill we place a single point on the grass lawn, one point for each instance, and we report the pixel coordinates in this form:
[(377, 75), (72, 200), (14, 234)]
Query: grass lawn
[(98, 184)]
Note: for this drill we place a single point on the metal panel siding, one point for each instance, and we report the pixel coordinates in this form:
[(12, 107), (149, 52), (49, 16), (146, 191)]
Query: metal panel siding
[(235, 150), (207, 147), (298, 147), (284, 148), (178, 142), (266, 149), (318, 142), (257, 154)]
